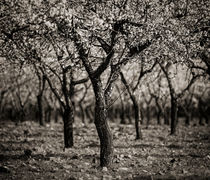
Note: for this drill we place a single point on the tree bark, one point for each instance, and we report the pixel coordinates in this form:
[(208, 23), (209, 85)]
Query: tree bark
[(173, 100), (57, 112), (104, 133), (137, 117), (141, 115), (40, 110), (68, 119), (187, 120), (122, 114), (1, 100), (158, 117), (173, 115)]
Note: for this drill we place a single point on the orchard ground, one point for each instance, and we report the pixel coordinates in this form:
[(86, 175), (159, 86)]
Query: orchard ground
[(28, 151)]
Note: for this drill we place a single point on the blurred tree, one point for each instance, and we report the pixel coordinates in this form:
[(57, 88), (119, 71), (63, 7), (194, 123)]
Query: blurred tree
[(148, 107), (30, 37), (174, 95), (131, 91), (187, 105), (156, 90), (41, 87), (122, 112)]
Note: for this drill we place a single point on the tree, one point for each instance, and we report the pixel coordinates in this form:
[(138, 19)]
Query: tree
[(81, 102), (135, 106), (158, 92), (122, 112), (187, 105), (31, 38), (113, 56), (41, 87), (173, 94), (15, 90), (195, 20), (148, 108), (106, 35), (131, 91), (67, 90)]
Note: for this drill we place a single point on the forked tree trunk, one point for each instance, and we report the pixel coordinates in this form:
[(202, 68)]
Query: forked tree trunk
[(68, 119), (135, 105), (40, 110), (104, 133)]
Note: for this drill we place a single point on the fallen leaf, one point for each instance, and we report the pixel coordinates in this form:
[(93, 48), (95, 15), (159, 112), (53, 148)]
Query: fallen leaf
[(104, 169), (123, 169)]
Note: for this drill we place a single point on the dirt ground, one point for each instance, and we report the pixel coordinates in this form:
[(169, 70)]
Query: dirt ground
[(28, 151)]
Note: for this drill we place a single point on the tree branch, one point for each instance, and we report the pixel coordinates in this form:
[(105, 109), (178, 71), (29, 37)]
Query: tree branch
[(142, 73), (82, 52), (52, 88), (80, 81), (194, 78)]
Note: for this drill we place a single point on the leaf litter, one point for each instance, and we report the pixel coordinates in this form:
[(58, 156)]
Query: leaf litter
[(28, 151)]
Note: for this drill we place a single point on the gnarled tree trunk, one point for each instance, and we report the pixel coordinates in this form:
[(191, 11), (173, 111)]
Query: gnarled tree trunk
[(104, 133)]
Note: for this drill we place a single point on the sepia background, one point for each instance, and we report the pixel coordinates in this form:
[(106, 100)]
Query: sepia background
[(115, 89)]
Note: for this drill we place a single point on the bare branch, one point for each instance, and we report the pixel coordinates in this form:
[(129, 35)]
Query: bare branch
[(143, 73), (84, 80), (52, 88), (82, 52), (192, 81)]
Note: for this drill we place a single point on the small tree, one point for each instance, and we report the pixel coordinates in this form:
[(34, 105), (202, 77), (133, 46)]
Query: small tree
[(157, 92), (175, 97), (103, 94), (131, 92)]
